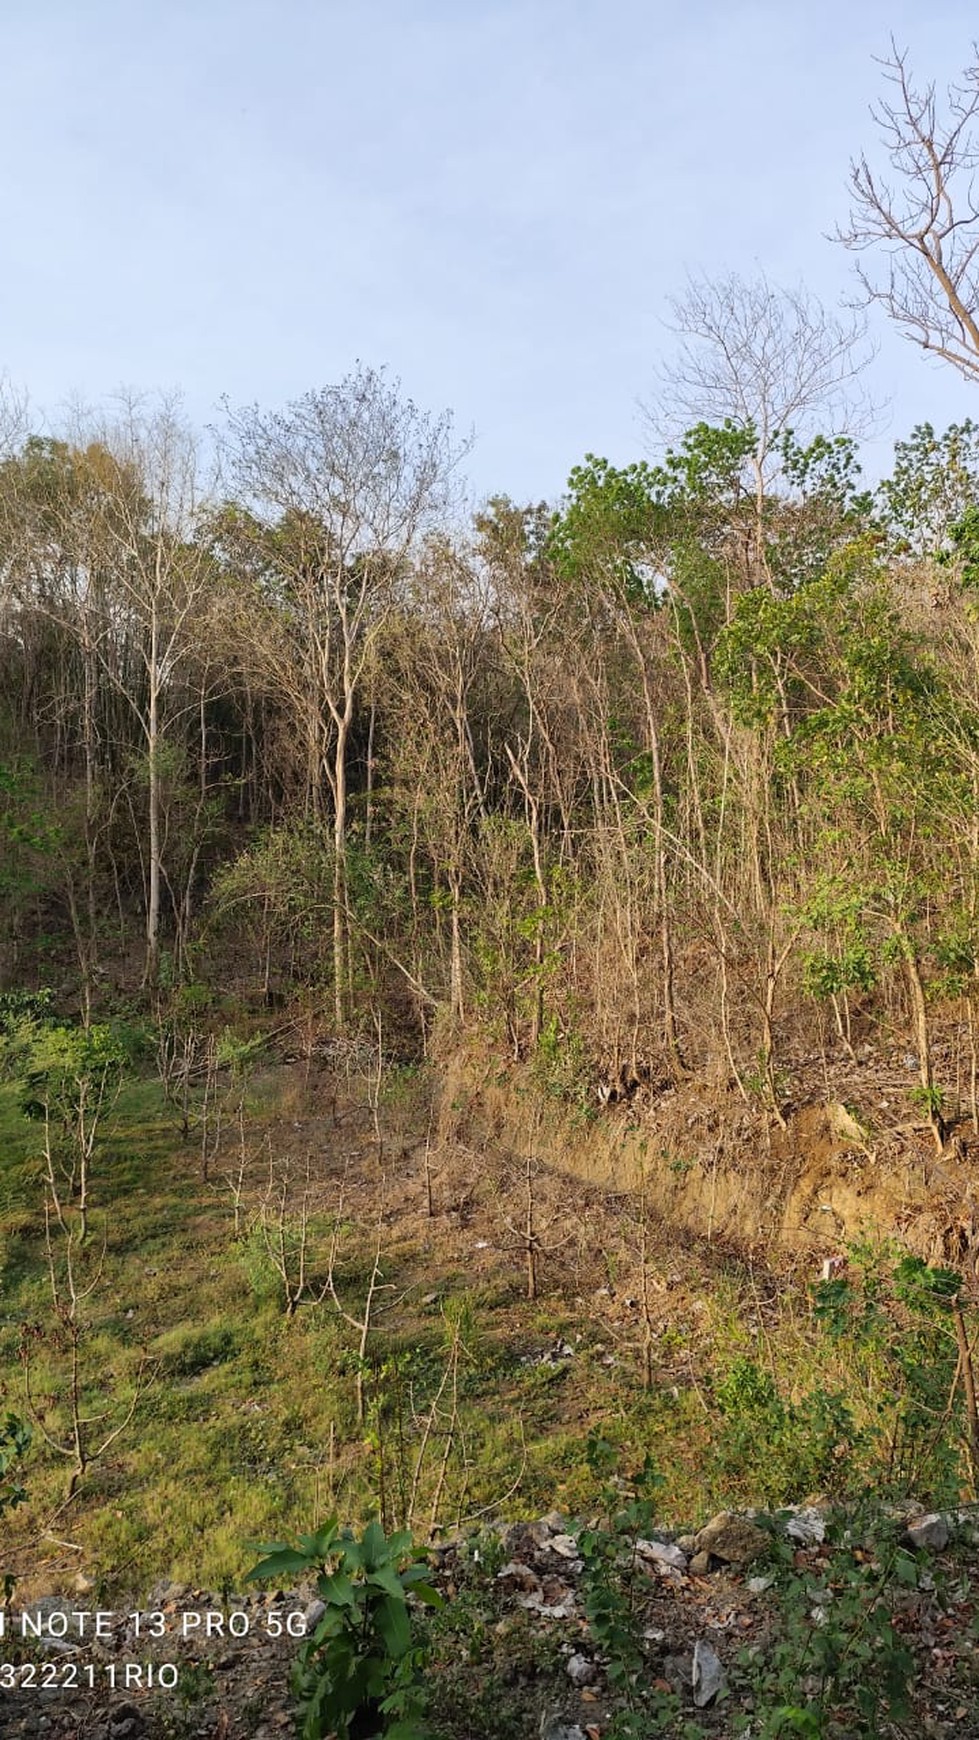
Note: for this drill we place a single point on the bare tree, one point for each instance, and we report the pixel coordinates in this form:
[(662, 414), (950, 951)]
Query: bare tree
[(927, 221), (336, 489), (526, 1234), (61, 1417), (284, 1218), (148, 512), (763, 355), (372, 1306), (108, 554), (14, 417)]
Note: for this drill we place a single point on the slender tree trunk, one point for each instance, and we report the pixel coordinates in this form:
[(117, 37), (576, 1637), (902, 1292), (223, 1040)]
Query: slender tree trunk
[(340, 872), (152, 969)]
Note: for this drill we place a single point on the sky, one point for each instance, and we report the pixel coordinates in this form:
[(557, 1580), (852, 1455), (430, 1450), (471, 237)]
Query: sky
[(491, 199)]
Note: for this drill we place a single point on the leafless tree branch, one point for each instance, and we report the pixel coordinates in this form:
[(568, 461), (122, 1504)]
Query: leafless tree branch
[(926, 219)]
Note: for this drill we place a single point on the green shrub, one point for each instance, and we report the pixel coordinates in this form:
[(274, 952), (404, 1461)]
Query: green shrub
[(15, 1441), (897, 1314), (837, 1663), (779, 1451), (357, 1673)]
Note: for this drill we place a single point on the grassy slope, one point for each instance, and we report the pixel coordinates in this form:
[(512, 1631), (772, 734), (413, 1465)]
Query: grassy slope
[(249, 1429)]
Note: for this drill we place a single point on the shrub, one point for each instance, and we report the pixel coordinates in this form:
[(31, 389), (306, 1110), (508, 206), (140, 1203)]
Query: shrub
[(357, 1673), (780, 1450)]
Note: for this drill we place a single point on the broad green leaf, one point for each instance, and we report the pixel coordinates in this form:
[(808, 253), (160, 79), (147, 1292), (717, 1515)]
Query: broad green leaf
[(373, 1545), (394, 1626), (280, 1560), (337, 1591)]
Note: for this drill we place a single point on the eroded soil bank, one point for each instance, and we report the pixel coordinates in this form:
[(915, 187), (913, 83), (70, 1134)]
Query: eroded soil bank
[(849, 1161)]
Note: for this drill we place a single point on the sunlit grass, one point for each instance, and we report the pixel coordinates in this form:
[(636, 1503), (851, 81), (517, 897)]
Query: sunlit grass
[(247, 1426)]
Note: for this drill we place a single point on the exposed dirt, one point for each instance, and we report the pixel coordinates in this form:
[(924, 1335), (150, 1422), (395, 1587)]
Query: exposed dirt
[(850, 1159)]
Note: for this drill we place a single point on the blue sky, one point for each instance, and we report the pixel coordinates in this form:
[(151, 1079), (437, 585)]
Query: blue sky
[(492, 198)]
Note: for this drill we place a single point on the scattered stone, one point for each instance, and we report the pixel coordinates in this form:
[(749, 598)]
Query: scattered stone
[(758, 1585), (581, 1671), (662, 1554), (709, 1678), (732, 1538), (526, 1539), (929, 1531), (519, 1575), (808, 1527), (558, 1351), (552, 1600), (565, 1546), (700, 1565), (687, 1544), (39, 1614), (124, 1721), (165, 1594), (555, 1728)]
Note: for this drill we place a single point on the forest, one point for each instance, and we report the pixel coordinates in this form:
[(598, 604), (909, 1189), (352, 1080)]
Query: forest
[(681, 776)]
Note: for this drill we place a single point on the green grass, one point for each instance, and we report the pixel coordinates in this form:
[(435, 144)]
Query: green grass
[(248, 1427)]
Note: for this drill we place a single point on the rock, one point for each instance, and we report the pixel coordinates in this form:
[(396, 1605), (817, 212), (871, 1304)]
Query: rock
[(929, 1531), (967, 1529), (663, 1553), (314, 1614), (519, 1576), (559, 1350), (758, 1585), (700, 1565), (125, 1720), (732, 1538), (581, 1671), (552, 1600), (565, 1546), (687, 1544), (808, 1527), (709, 1678), (556, 1728), (525, 1540), (165, 1594)]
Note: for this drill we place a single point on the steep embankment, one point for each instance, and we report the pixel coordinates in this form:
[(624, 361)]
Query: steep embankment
[(848, 1161)]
